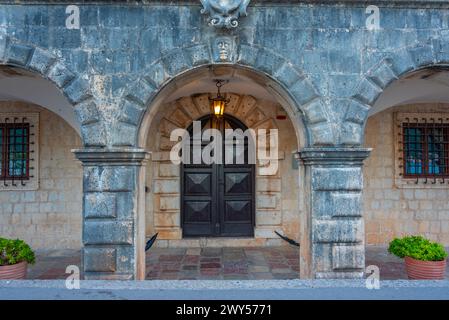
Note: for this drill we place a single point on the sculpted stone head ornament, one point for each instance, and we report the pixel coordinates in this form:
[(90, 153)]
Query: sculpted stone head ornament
[(224, 13), (223, 49)]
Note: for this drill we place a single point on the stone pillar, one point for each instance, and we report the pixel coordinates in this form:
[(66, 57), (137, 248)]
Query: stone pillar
[(113, 217), (333, 237)]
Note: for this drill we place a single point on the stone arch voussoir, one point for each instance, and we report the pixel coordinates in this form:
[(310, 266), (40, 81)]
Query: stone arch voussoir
[(391, 67), (75, 88), (139, 95)]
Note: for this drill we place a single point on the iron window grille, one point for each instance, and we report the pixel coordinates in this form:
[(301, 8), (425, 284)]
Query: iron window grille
[(17, 150), (424, 149)]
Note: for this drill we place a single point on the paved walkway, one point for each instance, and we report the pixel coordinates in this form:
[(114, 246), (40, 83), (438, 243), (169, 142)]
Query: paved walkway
[(225, 290), (223, 263), (216, 264)]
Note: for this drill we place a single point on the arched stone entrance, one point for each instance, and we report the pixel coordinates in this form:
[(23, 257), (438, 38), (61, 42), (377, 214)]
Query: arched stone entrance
[(278, 203)]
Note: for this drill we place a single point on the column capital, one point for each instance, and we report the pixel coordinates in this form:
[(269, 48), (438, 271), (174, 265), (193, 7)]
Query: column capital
[(112, 156), (333, 156)]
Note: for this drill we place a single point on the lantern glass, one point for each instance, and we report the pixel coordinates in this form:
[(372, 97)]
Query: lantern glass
[(218, 107)]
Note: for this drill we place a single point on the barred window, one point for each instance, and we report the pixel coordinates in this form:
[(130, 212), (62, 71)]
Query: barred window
[(426, 150), (18, 151)]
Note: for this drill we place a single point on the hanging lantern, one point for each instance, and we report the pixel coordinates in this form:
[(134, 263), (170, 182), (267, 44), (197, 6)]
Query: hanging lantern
[(218, 103)]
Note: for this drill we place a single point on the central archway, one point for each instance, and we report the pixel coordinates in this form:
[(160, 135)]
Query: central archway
[(257, 102)]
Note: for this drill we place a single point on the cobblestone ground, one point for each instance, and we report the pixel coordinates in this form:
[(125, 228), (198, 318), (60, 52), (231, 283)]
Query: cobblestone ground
[(223, 263), (216, 263)]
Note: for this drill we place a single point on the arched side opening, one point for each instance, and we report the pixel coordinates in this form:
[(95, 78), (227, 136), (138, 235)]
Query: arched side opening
[(40, 179), (406, 177)]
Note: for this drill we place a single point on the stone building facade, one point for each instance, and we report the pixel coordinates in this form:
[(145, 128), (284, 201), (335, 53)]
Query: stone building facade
[(106, 82)]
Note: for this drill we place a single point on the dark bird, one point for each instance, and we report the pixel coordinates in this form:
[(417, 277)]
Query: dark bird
[(150, 242), (291, 241)]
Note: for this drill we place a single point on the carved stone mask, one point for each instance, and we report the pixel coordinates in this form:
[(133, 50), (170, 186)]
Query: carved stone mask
[(223, 49)]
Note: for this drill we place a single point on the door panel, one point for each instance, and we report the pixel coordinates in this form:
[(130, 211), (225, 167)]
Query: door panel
[(218, 200), (198, 211), (198, 183), (238, 183)]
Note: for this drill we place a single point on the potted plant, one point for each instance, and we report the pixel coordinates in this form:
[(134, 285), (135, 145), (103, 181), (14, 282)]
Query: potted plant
[(14, 258), (423, 259)]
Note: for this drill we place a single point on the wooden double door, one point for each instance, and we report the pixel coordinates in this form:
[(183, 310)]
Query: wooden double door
[(218, 199)]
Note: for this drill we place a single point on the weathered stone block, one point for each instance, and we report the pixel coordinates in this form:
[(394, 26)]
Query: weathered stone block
[(167, 219), (131, 112), (265, 232), (41, 61), (78, 90), (172, 233), (303, 92), (268, 184), (336, 204), (176, 62), (169, 170), (87, 112), (157, 74), (342, 230), (268, 218), (315, 111), (422, 55), (108, 232), (18, 54), (126, 262), (402, 61), (60, 75), (114, 178), (348, 257), (337, 179), (124, 135), (367, 92), (166, 186), (351, 134), (125, 203), (322, 134), (100, 259), (3, 46), (287, 74), (169, 203), (142, 91), (357, 112), (268, 62), (383, 75), (199, 55), (247, 55), (93, 134), (265, 201), (100, 205)]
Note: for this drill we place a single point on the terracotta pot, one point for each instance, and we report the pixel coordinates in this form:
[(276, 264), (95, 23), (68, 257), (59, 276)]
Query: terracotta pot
[(14, 271), (430, 270)]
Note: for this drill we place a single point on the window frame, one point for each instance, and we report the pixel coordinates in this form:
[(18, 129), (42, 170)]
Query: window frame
[(6, 147), (426, 127), (439, 115), (11, 183)]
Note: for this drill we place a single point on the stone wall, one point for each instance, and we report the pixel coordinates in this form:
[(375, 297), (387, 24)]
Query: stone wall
[(49, 217), (277, 204), (392, 209)]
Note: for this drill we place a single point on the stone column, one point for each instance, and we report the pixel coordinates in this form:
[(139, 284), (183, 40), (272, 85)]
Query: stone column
[(113, 213), (333, 237)]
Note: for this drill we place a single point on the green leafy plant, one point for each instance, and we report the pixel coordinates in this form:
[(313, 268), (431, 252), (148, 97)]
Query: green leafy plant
[(417, 247), (15, 251)]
